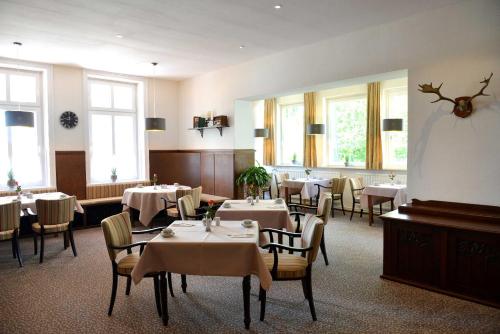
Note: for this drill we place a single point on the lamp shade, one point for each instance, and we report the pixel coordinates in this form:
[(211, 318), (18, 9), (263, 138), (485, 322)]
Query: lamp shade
[(155, 124), (392, 124), (316, 129), (261, 133), (19, 118)]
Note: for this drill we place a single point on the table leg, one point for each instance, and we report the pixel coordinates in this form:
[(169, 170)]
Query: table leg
[(370, 210), (246, 300), (183, 283), (164, 297), (286, 195)]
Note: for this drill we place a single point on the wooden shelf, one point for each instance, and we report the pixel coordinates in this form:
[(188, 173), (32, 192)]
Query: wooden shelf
[(209, 128)]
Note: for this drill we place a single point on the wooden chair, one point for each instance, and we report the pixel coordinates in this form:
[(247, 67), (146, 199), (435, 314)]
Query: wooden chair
[(357, 187), (322, 211), (10, 217), (267, 189), (287, 267), (292, 193), (118, 232), (187, 209), (54, 217), (172, 208), (337, 190)]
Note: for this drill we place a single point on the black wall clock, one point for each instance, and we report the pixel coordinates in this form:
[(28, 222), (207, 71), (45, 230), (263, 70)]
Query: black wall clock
[(68, 119)]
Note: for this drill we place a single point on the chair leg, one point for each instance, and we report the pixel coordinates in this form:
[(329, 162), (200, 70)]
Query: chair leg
[(35, 244), (65, 235), (183, 283), (18, 251), (310, 293), (352, 211), (156, 282), (71, 240), (323, 248), (361, 213), (13, 247), (342, 203), (113, 292), (332, 208), (169, 277), (262, 298), (42, 246), (129, 283), (380, 207), (304, 288)]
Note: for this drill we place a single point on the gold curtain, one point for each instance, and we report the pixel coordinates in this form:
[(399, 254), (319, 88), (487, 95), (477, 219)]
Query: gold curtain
[(310, 145), (373, 129), (269, 123)]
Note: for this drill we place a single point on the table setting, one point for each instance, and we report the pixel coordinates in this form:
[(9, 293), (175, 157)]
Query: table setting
[(307, 187), (382, 192), (28, 200)]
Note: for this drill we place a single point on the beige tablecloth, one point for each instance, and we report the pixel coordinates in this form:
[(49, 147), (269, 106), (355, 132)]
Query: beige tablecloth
[(30, 203), (266, 212), (307, 186), (193, 251), (395, 191), (148, 200)]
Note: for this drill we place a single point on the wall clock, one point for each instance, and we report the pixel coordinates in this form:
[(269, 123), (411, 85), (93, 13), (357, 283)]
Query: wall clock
[(68, 119)]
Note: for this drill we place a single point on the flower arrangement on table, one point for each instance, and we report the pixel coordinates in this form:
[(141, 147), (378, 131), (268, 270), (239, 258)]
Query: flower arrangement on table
[(392, 176), (308, 172), (155, 179), (18, 189), (210, 213)]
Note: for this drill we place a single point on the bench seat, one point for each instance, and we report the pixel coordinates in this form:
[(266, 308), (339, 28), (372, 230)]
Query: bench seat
[(216, 199), (100, 201)]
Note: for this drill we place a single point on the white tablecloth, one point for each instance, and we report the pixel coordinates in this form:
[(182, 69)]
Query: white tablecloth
[(229, 250), (148, 200), (307, 186), (395, 191), (30, 203)]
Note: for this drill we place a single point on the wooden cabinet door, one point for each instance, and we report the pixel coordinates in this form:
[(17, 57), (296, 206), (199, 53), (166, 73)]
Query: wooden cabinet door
[(207, 173), (224, 175)]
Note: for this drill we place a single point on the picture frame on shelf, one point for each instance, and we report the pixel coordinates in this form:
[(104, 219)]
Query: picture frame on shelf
[(199, 122), (220, 121)]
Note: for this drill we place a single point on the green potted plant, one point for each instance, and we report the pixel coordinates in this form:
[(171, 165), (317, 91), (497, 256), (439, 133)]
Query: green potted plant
[(294, 159), (114, 176), (254, 178), (11, 182)]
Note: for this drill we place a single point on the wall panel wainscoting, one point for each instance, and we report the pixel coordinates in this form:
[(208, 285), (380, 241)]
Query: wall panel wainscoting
[(453, 248), (71, 176)]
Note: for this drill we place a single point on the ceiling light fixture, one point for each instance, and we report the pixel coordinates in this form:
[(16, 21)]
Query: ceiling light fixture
[(118, 36), (242, 46), (154, 123), (277, 6), (18, 117)]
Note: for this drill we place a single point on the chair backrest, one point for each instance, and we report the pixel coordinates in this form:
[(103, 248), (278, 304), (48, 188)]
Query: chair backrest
[(324, 206), (279, 177), (10, 216), (186, 207), (117, 232), (312, 231), (356, 184), (195, 194), (104, 190), (338, 185), (55, 211)]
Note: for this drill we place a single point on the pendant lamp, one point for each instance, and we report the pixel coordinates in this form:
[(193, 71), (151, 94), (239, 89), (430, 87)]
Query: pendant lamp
[(154, 123)]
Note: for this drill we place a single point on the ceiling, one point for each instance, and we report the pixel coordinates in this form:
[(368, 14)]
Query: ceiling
[(186, 37)]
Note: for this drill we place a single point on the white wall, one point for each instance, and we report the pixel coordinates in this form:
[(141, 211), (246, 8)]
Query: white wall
[(449, 158)]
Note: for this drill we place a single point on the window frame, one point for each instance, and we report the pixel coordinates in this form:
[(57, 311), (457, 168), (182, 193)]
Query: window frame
[(386, 135), (329, 129), (38, 107), (135, 111), (279, 145)]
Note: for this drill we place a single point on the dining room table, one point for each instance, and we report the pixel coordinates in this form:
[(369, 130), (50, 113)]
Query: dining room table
[(148, 200), (28, 200), (380, 193), (306, 185), (230, 249)]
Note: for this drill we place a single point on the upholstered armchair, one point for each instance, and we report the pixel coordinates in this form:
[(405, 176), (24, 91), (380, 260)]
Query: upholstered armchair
[(187, 209), (322, 211), (54, 216), (10, 216), (287, 267), (337, 189), (118, 233), (172, 208)]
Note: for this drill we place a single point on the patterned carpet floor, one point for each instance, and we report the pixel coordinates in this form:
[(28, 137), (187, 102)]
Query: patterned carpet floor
[(71, 295)]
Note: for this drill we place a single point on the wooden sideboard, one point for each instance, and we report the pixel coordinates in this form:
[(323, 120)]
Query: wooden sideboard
[(215, 170), (452, 248)]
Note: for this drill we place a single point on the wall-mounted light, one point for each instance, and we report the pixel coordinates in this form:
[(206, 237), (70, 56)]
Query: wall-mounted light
[(261, 133), (154, 123), (315, 129), (392, 124)]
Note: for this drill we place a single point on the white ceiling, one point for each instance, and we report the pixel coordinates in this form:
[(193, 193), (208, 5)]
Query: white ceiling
[(186, 37)]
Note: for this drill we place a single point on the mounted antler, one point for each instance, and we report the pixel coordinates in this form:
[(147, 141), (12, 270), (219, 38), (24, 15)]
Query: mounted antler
[(427, 88), (486, 82), (462, 105)]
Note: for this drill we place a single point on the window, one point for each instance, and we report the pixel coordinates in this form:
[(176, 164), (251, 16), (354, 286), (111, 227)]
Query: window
[(346, 131), (394, 143), (113, 130), (258, 111), (291, 134), (22, 149)]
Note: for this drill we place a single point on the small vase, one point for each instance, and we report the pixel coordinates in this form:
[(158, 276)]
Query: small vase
[(208, 226), (11, 183), (114, 178)]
